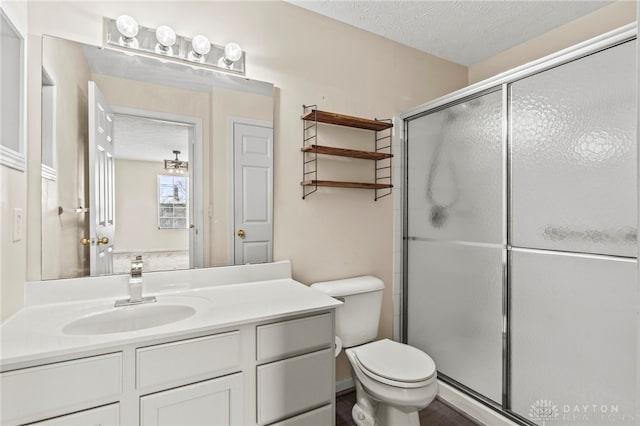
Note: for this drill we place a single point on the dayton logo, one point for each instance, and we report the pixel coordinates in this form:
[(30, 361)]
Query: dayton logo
[(543, 410)]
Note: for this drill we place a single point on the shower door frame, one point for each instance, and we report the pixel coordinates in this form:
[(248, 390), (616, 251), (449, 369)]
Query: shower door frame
[(501, 82)]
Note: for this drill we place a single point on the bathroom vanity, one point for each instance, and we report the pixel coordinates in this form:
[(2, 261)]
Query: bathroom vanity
[(243, 345)]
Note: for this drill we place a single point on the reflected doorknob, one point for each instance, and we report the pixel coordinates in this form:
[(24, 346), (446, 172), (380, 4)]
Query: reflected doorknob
[(85, 241), (240, 233), (103, 240)]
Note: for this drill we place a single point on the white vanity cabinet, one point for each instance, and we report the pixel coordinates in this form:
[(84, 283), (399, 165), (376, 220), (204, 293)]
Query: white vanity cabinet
[(278, 371), (295, 357)]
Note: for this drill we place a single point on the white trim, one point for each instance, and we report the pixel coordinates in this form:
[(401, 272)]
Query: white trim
[(160, 250), (196, 174), (49, 120), (579, 50), (638, 223), (344, 384), (13, 159), (48, 173), (471, 407), (9, 157)]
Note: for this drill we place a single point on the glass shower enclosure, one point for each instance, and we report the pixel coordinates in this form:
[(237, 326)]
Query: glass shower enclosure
[(520, 237)]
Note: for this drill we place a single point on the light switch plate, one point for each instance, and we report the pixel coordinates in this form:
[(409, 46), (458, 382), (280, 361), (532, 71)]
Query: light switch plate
[(17, 224)]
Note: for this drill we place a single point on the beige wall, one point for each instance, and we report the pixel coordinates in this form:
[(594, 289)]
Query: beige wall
[(62, 255), (227, 105), (13, 194), (310, 59), (602, 20), (137, 209)]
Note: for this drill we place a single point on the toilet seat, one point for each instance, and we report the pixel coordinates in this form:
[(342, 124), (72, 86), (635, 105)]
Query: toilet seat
[(395, 364)]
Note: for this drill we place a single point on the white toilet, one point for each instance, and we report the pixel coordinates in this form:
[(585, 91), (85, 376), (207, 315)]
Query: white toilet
[(393, 380)]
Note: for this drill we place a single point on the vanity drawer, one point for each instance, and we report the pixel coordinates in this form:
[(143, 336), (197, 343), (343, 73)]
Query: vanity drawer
[(108, 415), (188, 360), (296, 336), (49, 390), (323, 416), (295, 385)]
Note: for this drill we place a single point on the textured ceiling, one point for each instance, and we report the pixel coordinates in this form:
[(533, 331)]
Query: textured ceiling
[(465, 32), (146, 139)]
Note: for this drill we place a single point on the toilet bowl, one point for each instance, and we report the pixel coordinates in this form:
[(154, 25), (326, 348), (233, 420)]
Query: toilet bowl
[(398, 381), (393, 381)]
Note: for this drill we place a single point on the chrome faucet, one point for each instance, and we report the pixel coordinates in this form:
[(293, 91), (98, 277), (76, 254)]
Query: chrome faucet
[(135, 286)]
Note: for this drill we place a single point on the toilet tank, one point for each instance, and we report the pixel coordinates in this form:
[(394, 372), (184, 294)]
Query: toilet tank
[(358, 317)]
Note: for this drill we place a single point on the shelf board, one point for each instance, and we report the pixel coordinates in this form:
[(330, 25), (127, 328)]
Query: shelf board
[(346, 120), (340, 184), (353, 153)]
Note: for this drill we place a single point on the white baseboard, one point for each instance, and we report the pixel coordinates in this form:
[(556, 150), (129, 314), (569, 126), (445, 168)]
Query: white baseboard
[(471, 407), (344, 384)]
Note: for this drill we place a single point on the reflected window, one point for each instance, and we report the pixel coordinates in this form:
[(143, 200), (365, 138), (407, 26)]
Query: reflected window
[(173, 202)]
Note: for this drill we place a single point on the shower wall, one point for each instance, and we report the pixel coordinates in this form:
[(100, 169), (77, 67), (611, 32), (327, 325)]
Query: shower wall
[(521, 276)]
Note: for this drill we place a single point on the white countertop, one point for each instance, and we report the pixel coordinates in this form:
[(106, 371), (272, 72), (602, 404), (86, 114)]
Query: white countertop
[(34, 335)]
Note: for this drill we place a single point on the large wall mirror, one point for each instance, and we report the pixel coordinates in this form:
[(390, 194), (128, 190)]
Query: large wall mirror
[(142, 156)]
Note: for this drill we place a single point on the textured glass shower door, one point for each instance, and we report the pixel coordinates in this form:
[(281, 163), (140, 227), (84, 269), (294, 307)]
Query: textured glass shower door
[(573, 272), (455, 241), (521, 241)]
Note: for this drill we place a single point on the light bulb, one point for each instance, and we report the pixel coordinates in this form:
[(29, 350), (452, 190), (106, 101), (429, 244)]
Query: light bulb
[(232, 52), (127, 26), (200, 46), (166, 38)]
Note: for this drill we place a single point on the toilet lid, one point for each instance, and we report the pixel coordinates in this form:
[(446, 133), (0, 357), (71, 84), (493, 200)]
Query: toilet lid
[(396, 361)]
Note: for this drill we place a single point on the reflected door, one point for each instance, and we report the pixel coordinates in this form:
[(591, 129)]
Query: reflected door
[(253, 193), (101, 183)]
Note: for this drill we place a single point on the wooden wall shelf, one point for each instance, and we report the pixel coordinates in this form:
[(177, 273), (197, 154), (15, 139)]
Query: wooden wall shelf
[(381, 155), (352, 153), (346, 120), (340, 184)]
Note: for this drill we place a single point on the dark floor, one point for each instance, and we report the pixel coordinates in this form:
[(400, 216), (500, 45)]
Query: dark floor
[(436, 414)]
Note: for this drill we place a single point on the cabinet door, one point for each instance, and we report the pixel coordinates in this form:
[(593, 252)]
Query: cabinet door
[(108, 415), (295, 385), (214, 402)]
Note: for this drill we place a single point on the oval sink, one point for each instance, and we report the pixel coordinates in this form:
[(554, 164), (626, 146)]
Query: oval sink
[(129, 318)]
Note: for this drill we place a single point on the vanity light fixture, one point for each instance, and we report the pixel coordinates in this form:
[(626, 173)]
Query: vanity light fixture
[(177, 165), (128, 29), (125, 33)]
